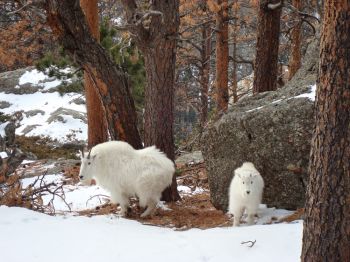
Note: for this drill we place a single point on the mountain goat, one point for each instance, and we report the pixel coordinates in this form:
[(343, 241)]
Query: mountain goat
[(127, 172), (245, 193)]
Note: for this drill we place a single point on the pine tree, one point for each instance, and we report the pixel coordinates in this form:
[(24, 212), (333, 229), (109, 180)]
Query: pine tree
[(326, 234)]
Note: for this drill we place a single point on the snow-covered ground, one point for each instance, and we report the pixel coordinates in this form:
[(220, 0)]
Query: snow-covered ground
[(34, 237), (69, 237), (47, 103)]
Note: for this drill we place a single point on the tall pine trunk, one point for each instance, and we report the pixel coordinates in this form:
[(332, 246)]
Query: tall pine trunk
[(266, 59), (295, 52), (327, 213), (235, 28), (204, 72), (222, 57), (157, 42), (97, 125), (68, 22)]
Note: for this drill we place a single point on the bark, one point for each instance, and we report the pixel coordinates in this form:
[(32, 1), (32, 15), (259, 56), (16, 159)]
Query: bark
[(234, 86), (97, 125), (326, 234), (204, 72), (68, 22), (222, 57), (266, 59), (157, 42), (295, 54)]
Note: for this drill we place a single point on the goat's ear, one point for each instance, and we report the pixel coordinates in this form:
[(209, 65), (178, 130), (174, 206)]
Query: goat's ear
[(81, 153)]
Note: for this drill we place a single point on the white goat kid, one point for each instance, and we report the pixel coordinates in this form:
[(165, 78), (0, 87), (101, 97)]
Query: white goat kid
[(127, 172), (245, 193)]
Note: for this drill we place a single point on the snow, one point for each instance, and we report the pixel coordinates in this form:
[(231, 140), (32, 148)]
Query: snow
[(310, 95), (70, 237), (109, 238), (3, 155), (32, 77), (48, 103), (2, 129), (51, 84)]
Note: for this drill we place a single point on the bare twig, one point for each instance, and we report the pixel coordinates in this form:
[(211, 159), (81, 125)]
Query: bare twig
[(99, 195), (251, 243)]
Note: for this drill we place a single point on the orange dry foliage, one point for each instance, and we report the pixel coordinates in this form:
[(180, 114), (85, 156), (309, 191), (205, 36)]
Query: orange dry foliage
[(22, 43)]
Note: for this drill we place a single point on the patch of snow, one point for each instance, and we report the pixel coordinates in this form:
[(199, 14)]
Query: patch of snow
[(3, 155), (66, 70), (32, 77), (198, 190), (47, 102), (184, 189), (51, 84), (162, 205), (2, 129), (24, 162), (254, 109), (111, 238), (310, 95)]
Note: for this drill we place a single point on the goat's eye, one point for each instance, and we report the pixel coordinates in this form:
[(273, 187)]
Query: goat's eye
[(243, 182), (251, 182), (89, 163)]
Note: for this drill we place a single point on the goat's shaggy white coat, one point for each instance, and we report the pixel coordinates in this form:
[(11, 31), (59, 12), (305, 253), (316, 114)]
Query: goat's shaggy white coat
[(127, 172), (245, 193)]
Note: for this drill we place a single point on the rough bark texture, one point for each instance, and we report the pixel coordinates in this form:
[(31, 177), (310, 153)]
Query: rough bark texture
[(265, 74), (327, 213), (157, 41), (204, 72), (235, 29), (295, 52), (68, 22), (222, 56), (97, 125)]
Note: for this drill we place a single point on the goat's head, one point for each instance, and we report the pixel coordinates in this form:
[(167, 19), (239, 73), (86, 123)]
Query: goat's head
[(248, 179), (88, 166)]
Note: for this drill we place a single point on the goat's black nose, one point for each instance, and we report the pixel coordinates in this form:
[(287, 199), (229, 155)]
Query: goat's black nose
[(248, 192)]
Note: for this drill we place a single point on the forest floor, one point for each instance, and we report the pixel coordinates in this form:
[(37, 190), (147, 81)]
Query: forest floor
[(58, 192), (194, 210)]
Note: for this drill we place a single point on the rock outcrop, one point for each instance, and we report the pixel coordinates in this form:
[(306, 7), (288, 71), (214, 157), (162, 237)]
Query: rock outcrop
[(273, 130)]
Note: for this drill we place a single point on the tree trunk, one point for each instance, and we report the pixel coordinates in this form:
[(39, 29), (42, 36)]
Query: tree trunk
[(204, 72), (68, 22), (295, 53), (97, 126), (157, 41), (266, 59), (222, 57), (327, 213), (234, 86)]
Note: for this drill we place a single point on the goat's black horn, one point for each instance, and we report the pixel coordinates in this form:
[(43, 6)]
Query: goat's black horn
[(88, 157), (82, 151)]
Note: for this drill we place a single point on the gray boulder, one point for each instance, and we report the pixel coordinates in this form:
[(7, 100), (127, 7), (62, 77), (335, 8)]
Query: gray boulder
[(9, 82), (57, 115), (273, 130)]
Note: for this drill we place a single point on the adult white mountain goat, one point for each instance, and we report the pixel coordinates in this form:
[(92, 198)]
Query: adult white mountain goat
[(127, 172), (245, 193)]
